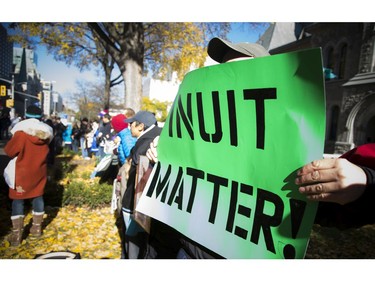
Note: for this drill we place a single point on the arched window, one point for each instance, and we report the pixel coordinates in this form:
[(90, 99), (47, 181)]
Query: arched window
[(330, 59), (330, 64), (343, 52), (334, 122)]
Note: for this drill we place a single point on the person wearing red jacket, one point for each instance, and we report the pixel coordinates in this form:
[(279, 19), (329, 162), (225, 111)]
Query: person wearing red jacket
[(29, 143)]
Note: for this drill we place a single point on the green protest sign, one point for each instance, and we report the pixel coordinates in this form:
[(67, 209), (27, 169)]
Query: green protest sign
[(229, 151)]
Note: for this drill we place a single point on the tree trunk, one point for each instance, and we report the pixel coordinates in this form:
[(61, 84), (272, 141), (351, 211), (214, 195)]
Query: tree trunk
[(133, 84), (107, 87), (124, 42), (133, 65)]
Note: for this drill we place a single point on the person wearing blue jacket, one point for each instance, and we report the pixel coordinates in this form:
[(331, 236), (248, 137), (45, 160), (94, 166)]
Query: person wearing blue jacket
[(124, 136), (67, 136)]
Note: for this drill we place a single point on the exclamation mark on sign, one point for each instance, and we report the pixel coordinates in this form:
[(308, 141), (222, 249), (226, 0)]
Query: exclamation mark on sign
[(297, 209)]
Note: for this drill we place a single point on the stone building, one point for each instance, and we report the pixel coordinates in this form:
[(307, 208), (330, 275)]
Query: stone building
[(27, 79), (348, 52), (6, 54)]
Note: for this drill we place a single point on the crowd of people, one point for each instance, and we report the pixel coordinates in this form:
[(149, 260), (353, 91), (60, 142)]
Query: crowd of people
[(59, 129), (127, 136), (5, 123)]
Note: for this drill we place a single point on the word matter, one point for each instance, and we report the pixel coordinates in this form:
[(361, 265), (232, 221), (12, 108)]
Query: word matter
[(170, 188)]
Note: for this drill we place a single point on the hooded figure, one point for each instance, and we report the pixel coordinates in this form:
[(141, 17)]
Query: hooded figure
[(29, 147)]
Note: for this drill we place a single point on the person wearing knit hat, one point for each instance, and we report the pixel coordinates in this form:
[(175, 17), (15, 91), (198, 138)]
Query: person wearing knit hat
[(118, 122), (102, 113), (124, 137), (33, 111)]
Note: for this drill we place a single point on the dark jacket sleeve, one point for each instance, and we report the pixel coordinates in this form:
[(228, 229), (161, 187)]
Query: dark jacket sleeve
[(370, 174), (361, 211)]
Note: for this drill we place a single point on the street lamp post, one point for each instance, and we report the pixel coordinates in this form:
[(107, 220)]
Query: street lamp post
[(12, 92)]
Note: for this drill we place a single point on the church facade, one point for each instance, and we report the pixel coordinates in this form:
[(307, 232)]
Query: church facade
[(348, 51)]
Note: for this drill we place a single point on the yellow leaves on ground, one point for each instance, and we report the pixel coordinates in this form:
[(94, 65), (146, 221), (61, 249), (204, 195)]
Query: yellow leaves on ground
[(91, 233)]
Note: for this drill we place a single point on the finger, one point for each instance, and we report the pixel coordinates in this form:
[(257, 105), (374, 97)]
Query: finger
[(320, 164), (151, 156), (329, 187), (324, 197), (152, 144), (317, 176), (154, 152), (330, 192), (336, 197), (307, 178), (148, 154), (155, 141)]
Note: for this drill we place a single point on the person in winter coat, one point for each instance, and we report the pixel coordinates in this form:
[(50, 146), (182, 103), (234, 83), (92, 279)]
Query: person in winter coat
[(5, 122), (118, 143), (124, 137), (91, 139), (104, 134), (75, 137), (67, 139), (84, 129), (29, 143), (144, 127), (59, 129)]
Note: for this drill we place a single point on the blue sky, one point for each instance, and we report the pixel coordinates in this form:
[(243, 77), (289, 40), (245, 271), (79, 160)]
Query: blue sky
[(65, 77)]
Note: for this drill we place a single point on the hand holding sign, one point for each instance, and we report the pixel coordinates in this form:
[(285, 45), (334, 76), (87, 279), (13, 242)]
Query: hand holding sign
[(332, 180), (152, 153)]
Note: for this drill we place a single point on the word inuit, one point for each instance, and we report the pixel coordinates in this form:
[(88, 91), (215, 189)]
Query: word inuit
[(170, 190), (183, 116)]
